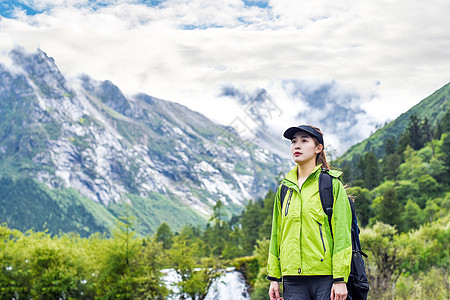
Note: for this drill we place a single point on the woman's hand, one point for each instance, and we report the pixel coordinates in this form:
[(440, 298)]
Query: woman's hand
[(339, 291), (274, 291)]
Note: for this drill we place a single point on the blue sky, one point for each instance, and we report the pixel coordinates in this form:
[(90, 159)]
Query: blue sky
[(9, 8), (369, 60)]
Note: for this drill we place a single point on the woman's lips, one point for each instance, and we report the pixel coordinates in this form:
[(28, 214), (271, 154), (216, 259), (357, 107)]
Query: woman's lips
[(297, 153)]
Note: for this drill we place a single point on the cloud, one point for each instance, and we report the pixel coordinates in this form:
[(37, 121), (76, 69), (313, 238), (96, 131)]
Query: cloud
[(381, 57), (337, 109)]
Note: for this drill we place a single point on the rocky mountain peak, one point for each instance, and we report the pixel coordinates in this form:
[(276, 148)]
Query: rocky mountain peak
[(87, 135), (42, 71)]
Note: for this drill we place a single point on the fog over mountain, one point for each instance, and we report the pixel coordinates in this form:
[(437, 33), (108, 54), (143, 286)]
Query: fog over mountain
[(338, 111)]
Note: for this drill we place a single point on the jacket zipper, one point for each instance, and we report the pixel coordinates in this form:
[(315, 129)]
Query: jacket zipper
[(288, 202), (321, 237), (301, 228)]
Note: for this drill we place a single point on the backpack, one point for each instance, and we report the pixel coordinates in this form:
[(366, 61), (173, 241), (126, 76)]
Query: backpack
[(357, 284)]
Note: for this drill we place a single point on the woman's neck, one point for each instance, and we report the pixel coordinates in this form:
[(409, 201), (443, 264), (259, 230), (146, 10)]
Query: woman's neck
[(303, 171)]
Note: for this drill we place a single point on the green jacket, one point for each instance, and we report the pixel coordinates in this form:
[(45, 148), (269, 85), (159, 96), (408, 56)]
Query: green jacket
[(301, 242)]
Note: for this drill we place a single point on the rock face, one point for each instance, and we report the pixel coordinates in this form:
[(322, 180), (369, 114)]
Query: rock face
[(87, 135)]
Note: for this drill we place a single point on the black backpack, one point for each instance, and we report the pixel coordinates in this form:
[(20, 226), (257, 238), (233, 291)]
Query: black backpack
[(357, 284)]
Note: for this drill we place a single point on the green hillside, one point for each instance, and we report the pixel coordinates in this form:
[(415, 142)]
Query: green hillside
[(27, 204), (433, 108)]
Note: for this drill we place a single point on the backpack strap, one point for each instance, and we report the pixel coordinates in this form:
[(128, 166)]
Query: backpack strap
[(356, 244), (283, 193), (326, 194)]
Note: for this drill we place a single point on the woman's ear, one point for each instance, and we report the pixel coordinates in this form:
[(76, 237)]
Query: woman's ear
[(319, 148)]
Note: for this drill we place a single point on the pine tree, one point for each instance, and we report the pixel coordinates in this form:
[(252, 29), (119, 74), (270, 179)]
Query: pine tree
[(444, 125), (390, 207), (390, 146), (217, 216), (371, 171), (391, 163), (428, 133), (251, 223), (164, 234), (415, 132), (445, 149), (347, 175), (391, 160)]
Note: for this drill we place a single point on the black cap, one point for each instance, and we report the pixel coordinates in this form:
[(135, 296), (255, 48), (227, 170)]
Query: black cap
[(289, 133)]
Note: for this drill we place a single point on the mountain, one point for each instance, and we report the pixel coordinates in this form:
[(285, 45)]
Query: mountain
[(76, 154), (434, 107)]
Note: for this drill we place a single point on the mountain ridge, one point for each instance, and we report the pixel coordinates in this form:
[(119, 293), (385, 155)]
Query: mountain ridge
[(113, 149), (424, 109)]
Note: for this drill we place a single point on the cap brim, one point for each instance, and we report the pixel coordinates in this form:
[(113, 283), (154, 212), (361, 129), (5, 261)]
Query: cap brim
[(289, 133)]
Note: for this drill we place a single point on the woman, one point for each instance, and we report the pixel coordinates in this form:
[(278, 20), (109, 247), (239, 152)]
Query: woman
[(303, 253)]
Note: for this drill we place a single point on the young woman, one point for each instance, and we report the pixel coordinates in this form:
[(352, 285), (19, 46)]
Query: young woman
[(312, 262)]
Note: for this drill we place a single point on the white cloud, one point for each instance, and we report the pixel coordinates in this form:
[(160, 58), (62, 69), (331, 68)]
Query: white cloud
[(402, 46)]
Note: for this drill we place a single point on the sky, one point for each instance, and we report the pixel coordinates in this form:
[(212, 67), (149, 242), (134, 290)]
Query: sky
[(346, 66)]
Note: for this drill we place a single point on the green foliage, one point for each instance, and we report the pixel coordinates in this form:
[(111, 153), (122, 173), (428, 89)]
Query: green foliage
[(427, 247), (412, 217), (414, 133), (129, 267), (384, 261), (260, 283), (401, 265), (196, 273), (164, 235), (369, 170), (39, 266), (391, 163), (266, 227), (426, 285), (389, 207), (363, 204), (251, 223)]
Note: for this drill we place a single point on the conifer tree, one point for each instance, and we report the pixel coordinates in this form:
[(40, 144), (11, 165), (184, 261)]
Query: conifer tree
[(446, 156), (391, 160), (266, 215), (391, 146), (164, 235), (444, 125), (428, 133), (371, 171), (251, 223), (415, 132), (391, 163), (390, 207)]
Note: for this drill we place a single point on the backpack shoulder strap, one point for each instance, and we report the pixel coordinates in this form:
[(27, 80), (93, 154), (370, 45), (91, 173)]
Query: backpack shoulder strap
[(283, 192), (326, 194)]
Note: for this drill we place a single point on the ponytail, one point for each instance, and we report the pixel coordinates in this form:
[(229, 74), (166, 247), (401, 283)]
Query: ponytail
[(320, 158)]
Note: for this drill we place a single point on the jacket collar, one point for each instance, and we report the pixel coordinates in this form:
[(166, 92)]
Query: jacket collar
[(292, 175)]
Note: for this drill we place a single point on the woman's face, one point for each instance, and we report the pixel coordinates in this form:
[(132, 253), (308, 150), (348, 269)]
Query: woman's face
[(303, 148)]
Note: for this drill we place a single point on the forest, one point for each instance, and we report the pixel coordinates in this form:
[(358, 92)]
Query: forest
[(402, 200)]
